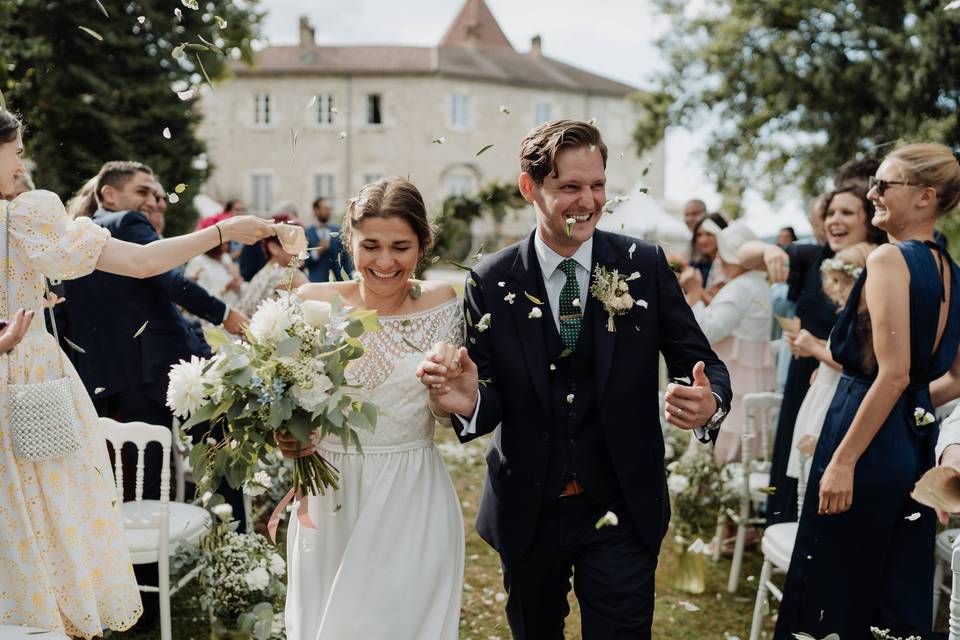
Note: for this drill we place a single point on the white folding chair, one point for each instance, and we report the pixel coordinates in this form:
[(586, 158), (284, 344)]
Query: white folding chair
[(154, 528), (946, 539), (777, 548), (759, 421), (954, 624)]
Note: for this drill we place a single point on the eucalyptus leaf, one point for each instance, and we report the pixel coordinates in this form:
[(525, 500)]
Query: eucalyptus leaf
[(533, 299)]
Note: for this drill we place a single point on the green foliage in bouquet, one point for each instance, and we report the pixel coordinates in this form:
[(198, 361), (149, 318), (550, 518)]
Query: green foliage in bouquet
[(241, 576), (289, 375), (697, 494)]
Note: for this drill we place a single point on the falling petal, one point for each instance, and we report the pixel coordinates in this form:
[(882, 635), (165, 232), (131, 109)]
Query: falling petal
[(553, 367), (180, 188), (178, 51), (73, 346), (173, 198), (439, 140), (459, 266), (532, 299), (99, 390), (191, 4), (510, 297), (501, 284), (913, 517), (313, 101), (478, 254), (609, 519), (592, 122), (689, 606), (489, 146), (535, 313), (166, 133), (178, 14), (91, 33), (186, 95), (569, 398), (633, 247), (102, 8), (503, 109), (343, 135), (643, 190), (141, 19)]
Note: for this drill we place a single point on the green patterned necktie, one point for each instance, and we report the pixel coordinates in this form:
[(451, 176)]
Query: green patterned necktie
[(570, 314)]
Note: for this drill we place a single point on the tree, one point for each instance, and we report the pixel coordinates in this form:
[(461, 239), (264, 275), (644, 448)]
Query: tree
[(97, 80), (792, 89)]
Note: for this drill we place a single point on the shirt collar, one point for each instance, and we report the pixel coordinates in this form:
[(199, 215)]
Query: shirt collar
[(549, 259)]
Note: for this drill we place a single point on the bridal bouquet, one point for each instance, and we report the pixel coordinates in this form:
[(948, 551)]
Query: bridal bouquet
[(287, 376)]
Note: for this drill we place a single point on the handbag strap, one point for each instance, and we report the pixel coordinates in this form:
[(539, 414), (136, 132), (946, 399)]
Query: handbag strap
[(45, 303)]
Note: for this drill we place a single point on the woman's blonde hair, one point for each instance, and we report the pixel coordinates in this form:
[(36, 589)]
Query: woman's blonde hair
[(932, 165)]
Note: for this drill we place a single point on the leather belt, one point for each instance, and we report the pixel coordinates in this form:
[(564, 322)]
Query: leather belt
[(573, 488)]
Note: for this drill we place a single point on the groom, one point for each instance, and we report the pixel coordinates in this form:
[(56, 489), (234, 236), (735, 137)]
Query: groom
[(572, 405)]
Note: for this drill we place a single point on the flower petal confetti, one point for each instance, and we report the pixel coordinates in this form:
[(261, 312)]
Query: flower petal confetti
[(484, 322), (186, 95), (173, 198), (913, 517), (485, 148), (503, 109), (180, 188), (576, 302), (553, 367), (103, 9), (922, 417), (533, 299), (311, 102), (569, 398), (439, 140), (178, 14), (633, 247), (90, 32), (221, 23), (510, 297), (166, 133), (343, 135), (99, 390), (141, 19), (142, 328), (74, 346), (501, 284), (191, 4), (535, 313), (689, 606), (609, 519)]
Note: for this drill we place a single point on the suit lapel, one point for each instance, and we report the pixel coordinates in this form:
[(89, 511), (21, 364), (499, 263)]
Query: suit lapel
[(527, 278), (603, 341)]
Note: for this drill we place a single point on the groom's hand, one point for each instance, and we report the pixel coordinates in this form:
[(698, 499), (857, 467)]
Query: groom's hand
[(451, 378), (690, 407)]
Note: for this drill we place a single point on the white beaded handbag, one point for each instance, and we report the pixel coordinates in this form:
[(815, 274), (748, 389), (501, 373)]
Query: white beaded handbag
[(44, 423)]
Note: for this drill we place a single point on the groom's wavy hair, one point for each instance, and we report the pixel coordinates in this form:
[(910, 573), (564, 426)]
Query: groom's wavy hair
[(392, 197), (539, 148)]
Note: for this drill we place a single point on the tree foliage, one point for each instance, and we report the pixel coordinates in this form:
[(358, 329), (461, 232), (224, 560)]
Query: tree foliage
[(792, 89), (98, 80)]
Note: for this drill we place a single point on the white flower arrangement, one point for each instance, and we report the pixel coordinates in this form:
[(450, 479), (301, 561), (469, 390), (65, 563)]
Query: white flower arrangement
[(613, 292), (287, 376), (922, 417), (697, 495)]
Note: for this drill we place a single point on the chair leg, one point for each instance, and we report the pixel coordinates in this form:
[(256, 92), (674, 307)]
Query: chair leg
[(163, 583), (939, 567), (718, 540), (738, 547), (757, 621)]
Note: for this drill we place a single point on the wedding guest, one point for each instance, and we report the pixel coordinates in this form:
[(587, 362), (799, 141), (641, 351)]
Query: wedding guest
[(847, 216), (273, 277), (704, 247), (839, 275), (63, 553), (386, 558), (786, 237), (329, 257), (737, 325), (899, 330), (83, 204), (693, 210)]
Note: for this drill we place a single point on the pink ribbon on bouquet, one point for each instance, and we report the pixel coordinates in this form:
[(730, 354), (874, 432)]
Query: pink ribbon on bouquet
[(303, 514)]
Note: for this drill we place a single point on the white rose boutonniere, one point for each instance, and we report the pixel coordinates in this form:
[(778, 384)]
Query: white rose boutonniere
[(613, 292)]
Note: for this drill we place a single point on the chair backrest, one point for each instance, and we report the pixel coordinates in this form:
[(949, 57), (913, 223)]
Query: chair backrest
[(139, 434), (760, 411)]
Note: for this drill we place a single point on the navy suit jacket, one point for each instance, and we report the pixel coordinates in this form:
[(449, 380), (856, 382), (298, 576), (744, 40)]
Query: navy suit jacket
[(515, 400), (104, 311), (333, 259)]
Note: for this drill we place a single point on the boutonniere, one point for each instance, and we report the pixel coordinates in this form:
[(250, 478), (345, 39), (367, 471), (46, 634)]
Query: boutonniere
[(922, 417), (611, 290)]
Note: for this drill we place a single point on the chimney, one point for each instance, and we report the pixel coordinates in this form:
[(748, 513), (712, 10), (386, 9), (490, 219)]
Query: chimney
[(535, 46), (307, 38)]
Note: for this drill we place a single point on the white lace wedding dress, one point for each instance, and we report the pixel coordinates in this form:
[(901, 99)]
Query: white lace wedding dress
[(386, 558)]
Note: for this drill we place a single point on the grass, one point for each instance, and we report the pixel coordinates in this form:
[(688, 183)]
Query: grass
[(720, 615)]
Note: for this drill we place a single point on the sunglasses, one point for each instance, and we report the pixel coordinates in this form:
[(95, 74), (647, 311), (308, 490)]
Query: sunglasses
[(881, 185)]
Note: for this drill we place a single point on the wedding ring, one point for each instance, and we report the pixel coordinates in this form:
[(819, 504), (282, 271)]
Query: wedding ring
[(679, 411)]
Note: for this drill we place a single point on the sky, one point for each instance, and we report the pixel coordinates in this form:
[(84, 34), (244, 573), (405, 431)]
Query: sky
[(618, 42)]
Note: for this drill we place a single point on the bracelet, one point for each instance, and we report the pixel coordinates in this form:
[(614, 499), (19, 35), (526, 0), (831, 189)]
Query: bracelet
[(219, 233)]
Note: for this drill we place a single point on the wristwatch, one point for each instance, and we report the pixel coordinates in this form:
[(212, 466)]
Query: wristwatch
[(718, 417)]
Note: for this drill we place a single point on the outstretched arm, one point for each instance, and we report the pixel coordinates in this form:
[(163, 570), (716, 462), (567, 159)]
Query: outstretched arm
[(144, 261)]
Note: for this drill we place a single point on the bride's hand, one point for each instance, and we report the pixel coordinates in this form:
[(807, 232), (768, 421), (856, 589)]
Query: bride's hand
[(451, 378), (292, 448)]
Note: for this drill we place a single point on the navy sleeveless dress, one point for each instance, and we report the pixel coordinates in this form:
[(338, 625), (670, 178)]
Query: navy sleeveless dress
[(873, 564)]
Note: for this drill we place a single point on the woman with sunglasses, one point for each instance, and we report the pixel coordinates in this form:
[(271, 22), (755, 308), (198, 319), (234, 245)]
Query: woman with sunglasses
[(864, 552), (846, 215)]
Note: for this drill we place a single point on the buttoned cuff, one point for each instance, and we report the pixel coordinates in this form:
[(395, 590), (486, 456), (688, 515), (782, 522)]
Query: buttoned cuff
[(469, 427)]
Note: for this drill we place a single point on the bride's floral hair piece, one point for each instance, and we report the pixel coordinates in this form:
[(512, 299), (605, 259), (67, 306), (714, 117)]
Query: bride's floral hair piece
[(389, 198)]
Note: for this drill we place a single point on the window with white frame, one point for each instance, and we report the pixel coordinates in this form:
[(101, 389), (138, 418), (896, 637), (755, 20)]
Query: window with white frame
[(323, 186), (459, 184), (261, 192), (459, 111), (541, 113), (371, 177), (261, 109), (325, 109), (374, 109)]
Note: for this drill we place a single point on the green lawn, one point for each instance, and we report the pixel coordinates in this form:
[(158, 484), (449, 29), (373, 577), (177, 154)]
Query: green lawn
[(720, 615)]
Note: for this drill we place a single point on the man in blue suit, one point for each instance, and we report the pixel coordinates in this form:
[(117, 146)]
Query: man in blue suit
[(127, 332), (328, 256), (569, 392)]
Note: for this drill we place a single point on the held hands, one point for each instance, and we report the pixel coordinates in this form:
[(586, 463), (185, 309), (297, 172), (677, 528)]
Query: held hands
[(836, 488), (451, 378), (245, 229), (777, 263), (690, 407), (13, 333)]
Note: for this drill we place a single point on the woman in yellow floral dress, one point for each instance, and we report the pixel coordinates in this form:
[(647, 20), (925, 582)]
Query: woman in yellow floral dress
[(64, 564)]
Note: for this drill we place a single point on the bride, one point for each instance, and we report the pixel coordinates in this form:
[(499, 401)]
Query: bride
[(386, 557)]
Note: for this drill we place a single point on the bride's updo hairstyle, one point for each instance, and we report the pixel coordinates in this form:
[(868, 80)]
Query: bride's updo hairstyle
[(389, 198), (931, 165)]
